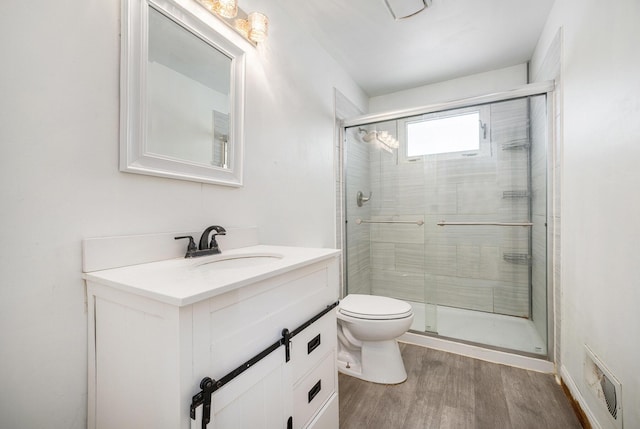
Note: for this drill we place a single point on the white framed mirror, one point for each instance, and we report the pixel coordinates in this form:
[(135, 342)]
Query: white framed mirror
[(181, 93)]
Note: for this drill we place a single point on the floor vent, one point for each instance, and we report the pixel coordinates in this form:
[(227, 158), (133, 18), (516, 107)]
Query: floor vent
[(605, 388)]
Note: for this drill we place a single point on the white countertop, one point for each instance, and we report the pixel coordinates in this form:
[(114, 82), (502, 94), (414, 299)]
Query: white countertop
[(183, 281)]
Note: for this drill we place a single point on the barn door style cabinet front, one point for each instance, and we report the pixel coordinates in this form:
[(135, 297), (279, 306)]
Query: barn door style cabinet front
[(260, 353)]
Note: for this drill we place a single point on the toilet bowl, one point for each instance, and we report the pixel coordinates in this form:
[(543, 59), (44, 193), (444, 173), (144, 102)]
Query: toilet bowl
[(368, 326)]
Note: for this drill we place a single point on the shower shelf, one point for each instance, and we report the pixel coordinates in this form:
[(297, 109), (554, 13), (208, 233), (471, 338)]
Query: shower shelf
[(517, 258), (515, 194), (516, 144)]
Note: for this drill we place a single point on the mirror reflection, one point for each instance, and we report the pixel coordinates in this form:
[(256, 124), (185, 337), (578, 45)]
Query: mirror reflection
[(188, 95)]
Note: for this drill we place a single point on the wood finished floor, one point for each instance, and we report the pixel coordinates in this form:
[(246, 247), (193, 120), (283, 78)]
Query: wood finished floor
[(448, 391)]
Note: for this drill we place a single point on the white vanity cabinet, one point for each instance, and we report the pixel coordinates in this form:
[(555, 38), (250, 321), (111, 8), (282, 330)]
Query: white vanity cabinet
[(150, 348), (315, 386)]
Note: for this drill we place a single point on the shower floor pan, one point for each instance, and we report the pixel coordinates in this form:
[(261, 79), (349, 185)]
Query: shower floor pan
[(495, 330)]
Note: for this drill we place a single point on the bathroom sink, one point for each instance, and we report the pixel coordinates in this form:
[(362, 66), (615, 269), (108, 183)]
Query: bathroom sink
[(184, 281), (239, 261)]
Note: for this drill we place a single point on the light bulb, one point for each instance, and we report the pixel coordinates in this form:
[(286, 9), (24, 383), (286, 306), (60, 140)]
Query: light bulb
[(242, 25), (208, 4), (258, 26), (226, 8)]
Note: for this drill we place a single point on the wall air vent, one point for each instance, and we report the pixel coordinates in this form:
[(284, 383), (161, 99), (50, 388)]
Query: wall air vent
[(605, 389)]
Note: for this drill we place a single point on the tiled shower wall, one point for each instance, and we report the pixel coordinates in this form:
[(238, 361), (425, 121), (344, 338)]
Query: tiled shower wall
[(357, 178), (476, 267), (344, 108)]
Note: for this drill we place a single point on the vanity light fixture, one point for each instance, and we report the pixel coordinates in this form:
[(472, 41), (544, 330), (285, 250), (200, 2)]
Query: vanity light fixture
[(258, 26), (252, 27), (242, 27), (226, 8)]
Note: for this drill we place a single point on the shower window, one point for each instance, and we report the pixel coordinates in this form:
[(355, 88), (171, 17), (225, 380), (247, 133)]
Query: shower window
[(457, 133), (445, 134)]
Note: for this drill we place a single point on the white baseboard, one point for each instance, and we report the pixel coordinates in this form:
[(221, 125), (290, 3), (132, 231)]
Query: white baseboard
[(577, 396)]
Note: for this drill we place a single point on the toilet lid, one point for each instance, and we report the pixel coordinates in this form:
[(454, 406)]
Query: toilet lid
[(374, 307)]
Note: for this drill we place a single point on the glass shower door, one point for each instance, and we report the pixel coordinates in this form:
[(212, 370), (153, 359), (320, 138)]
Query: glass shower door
[(447, 211), (479, 232), (384, 207)]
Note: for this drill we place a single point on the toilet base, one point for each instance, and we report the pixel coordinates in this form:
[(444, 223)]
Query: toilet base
[(380, 362)]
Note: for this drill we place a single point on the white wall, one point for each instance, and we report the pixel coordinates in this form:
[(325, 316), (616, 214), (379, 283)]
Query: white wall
[(468, 86), (600, 204), (59, 181)]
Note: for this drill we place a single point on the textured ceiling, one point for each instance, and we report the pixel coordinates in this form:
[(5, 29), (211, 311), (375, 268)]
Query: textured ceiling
[(452, 38)]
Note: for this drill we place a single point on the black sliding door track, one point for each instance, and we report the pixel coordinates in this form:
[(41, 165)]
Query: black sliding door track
[(209, 385)]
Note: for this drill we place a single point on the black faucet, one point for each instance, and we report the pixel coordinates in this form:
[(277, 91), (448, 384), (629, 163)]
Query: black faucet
[(205, 247), (213, 245)]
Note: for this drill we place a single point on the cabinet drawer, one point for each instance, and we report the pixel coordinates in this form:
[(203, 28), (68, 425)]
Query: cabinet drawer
[(312, 344), (327, 418), (311, 393)]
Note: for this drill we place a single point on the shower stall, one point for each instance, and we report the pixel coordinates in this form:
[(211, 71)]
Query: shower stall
[(445, 207)]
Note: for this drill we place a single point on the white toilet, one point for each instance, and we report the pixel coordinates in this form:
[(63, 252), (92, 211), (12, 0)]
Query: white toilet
[(368, 326)]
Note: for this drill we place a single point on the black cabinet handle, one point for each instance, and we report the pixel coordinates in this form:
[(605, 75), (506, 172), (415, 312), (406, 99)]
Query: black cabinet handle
[(313, 344), (315, 390)]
